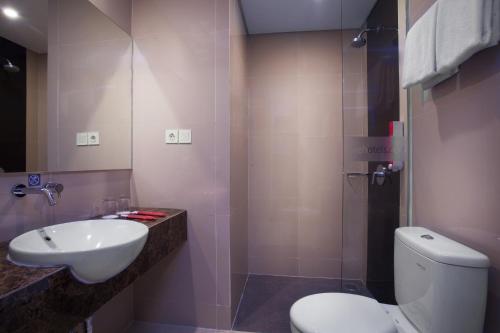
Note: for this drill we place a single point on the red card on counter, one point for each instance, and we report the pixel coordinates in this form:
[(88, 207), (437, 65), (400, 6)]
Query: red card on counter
[(156, 214)]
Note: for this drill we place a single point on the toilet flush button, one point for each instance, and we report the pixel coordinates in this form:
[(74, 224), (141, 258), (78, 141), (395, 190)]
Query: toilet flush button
[(428, 237)]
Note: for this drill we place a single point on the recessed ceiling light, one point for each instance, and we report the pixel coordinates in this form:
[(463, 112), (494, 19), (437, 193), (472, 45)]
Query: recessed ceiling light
[(10, 12)]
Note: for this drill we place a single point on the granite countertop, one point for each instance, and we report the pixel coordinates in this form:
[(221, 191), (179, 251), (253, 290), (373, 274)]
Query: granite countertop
[(34, 299)]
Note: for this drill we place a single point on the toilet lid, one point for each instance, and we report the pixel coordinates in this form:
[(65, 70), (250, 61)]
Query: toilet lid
[(340, 313)]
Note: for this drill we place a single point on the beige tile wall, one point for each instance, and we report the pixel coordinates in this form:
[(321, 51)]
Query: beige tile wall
[(182, 80), (295, 154), (456, 132)]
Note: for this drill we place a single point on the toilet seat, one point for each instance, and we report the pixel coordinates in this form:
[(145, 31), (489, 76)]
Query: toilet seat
[(340, 313)]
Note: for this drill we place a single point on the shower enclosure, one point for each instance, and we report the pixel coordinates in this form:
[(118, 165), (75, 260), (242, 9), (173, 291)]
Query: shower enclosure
[(326, 159), (374, 149)]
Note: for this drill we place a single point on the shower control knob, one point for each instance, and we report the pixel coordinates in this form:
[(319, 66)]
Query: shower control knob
[(379, 175)]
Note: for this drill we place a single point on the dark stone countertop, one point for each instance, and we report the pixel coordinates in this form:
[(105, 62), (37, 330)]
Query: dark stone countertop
[(52, 300)]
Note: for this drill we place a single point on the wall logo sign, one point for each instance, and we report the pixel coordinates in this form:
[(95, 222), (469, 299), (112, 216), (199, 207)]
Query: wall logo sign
[(34, 180), (376, 149)]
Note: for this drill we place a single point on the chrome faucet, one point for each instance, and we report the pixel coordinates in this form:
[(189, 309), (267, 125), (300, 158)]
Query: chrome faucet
[(50, 190)]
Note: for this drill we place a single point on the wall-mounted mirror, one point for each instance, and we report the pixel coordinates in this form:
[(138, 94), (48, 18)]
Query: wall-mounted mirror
[(65, 88)]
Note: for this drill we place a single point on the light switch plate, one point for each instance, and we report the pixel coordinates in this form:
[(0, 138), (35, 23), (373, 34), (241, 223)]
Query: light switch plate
[(82, 139), (171, 136), (184, 136), (93, 138)]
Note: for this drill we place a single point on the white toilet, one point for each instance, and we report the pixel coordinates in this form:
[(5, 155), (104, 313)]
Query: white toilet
[(440, 286)]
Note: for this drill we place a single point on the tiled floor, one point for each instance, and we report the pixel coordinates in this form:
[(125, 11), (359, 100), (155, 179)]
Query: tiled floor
[(265, 304), (141, 327), (266, 301)]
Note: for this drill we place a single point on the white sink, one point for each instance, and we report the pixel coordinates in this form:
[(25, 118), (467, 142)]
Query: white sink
[(94, 250)]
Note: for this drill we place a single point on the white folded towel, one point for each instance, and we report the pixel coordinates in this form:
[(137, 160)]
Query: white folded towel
[(464, 27), (420, 50), (440, 77)]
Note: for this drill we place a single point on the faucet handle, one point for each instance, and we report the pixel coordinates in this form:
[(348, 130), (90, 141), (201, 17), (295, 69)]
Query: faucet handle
[(55, 187), (380, 175)]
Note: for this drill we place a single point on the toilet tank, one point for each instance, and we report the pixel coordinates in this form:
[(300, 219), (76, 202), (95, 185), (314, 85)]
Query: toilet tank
[(441, 285)]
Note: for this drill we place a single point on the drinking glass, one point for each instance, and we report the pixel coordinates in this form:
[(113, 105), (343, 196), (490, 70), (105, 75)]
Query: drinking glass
[(110, 206), (124, 203)]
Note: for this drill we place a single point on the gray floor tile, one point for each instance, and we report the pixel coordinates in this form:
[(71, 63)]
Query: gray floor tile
[(266, 301)]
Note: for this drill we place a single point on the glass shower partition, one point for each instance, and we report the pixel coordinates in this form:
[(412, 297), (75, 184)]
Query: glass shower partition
[(373, 149)]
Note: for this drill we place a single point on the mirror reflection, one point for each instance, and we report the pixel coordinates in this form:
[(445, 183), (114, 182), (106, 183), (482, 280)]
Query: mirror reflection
[(65, 88)]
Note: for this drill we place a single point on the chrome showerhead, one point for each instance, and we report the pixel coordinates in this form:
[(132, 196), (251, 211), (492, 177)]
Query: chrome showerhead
[(359, 41), (9, 67)]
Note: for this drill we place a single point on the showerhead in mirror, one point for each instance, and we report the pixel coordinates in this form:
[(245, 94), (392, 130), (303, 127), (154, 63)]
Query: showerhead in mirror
[(359, 40), (9, 67)]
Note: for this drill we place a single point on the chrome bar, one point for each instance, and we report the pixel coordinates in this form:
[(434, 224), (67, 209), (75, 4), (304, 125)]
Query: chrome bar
[(358, 174)]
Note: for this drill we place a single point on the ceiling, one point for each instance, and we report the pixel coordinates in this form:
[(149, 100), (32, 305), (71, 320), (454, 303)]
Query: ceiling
[(29, 30), (261, 16), (272, 16)]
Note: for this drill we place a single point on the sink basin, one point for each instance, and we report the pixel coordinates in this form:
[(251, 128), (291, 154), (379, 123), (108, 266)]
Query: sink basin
[(94, 250)]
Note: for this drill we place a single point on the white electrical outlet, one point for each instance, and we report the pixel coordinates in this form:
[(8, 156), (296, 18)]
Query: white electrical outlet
[(93, 138), (82, 139), (172, 136), (184, 136)]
